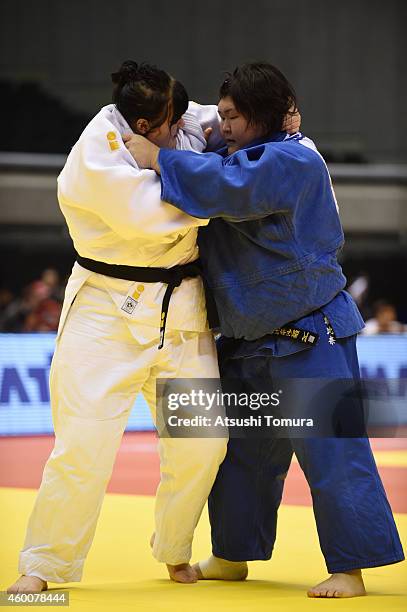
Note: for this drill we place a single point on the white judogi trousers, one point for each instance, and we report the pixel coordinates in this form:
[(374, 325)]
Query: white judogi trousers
[(97, 370)]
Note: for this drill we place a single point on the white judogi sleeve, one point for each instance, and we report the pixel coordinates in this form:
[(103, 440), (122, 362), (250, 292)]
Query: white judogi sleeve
[(191, 136), (208, 117), (101, 177)]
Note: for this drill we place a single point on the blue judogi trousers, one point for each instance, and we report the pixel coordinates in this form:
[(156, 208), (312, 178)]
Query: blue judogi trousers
[(354, 520)]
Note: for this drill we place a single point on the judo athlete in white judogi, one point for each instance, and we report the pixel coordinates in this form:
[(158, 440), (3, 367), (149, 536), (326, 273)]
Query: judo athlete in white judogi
[(107, 348)]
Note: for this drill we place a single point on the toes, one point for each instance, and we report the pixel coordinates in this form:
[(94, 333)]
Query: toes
[(27, 585), (184, 577), (182, 573)]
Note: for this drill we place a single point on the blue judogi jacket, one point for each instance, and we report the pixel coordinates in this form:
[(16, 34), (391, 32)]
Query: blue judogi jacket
[(270, 252)]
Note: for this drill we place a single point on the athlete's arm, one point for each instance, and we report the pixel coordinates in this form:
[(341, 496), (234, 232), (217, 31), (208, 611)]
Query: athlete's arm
[(251, 183)]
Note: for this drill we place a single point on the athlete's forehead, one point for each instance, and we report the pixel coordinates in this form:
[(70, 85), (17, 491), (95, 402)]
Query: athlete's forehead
[(226, 106)]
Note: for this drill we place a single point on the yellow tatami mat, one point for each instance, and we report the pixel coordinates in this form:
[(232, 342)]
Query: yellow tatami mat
[(120, 573), (391, 458)]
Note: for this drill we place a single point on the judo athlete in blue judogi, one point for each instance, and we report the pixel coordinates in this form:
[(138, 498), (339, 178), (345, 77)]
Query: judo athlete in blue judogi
[(270, 258)]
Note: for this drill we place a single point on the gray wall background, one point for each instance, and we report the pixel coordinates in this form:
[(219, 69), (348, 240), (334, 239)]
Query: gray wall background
[(345, 58)]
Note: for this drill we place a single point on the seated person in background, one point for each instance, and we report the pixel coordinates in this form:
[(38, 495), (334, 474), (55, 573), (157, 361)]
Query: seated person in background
[(384, 320)]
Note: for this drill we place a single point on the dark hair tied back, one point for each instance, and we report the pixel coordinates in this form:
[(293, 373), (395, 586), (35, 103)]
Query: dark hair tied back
[(129, 71), (142, 91)]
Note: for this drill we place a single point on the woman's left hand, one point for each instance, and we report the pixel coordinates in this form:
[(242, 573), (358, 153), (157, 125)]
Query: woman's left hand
[(144, 152)]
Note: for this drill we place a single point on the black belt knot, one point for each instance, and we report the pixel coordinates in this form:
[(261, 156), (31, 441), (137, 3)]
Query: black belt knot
[(173, 277)]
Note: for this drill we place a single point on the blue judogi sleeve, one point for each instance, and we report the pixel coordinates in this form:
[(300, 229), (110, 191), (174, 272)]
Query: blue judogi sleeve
[(252, 183)]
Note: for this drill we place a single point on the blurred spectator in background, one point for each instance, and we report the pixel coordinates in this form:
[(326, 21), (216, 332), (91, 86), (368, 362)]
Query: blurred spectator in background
[(45, 310), (384, 320), (51, 278), (6, 297), (15, 312), (36, 311)]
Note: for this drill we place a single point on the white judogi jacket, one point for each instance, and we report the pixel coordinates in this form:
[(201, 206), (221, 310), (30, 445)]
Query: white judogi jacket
[(115, 214)]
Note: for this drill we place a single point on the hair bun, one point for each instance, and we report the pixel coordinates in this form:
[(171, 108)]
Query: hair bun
[(128, 71)]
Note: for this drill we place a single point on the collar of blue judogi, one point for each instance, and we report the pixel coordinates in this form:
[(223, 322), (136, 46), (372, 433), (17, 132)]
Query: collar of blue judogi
[(276, 137)]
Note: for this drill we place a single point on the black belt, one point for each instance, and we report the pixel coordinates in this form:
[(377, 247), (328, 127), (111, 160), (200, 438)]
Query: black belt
[(296, 333), (173, 277)]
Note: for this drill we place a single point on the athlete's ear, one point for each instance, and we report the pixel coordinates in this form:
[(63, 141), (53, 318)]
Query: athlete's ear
[(142, 126)]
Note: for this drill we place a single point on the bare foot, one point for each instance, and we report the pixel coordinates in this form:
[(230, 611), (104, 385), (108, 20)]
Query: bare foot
[(215, 568), (344, 584), (179, 573), (182, 573), (28, 584)]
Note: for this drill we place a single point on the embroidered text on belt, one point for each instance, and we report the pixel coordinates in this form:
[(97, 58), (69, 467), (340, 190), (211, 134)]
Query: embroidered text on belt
[(173, 277)]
